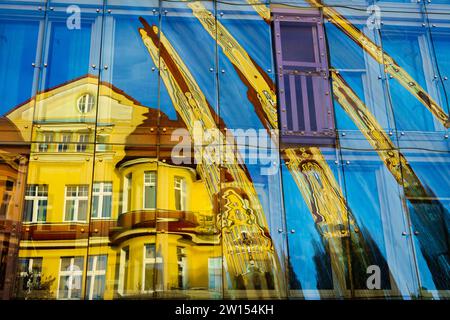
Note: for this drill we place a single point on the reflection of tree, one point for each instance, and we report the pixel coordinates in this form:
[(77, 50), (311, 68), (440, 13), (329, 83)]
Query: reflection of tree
[(323, 267), (34, 286), (294, 284), (374, 256), (431, 222)]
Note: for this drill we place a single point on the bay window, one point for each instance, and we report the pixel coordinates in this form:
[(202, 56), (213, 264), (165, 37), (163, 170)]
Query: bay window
[(149, 189)]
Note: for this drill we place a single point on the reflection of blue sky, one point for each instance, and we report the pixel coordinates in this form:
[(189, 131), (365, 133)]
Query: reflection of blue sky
[(405, 48), (254, 36), (131, 72), (132, 64), (362, 193), (441, 44), (301, 249), (18, 42), (197, 49), (434, 173), (68, 53)]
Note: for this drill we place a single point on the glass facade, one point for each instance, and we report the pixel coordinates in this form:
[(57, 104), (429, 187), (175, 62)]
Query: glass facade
[(239, 149)]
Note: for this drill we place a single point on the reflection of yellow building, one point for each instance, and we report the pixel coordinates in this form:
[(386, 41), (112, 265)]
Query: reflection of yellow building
[(142, 225), (13, 169)]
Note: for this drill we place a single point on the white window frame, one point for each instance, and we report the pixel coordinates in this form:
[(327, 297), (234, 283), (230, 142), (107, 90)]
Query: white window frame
[(30, 261), (63, 145), (180, 185), (77, 199), (101, 193), (126, 192), (83, 140), (101, 143), (85, 103), (212, 272), (182, 263), (47, 138), (71, 273), (94, 272), (151, 261), (30, 265), (151, 182), (122, 268), (35, 198)]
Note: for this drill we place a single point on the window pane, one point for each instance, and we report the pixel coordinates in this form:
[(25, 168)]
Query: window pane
[(65, 264), (31, 190), (37, 265), (43, 190), (99, 288), (70, 210), (96, 187), (150, 197), (28, 210), (76, 287), (150, 251), (107, 187), (82, 210), (78, 263), (95, 201), (101, 262), (107, 200), (91, 263), (64, 287), (177, 199), (148, 277), (297, 42), (42, 210), (83, 191)]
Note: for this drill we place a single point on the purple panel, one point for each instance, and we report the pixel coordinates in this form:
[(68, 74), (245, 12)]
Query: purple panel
[(304, 90), (319, 105), (305, 104), (293, 103), (297, 42), (281, 89)]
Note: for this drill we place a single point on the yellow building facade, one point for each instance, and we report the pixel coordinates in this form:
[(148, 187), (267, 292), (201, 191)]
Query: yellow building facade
[(140, 226)]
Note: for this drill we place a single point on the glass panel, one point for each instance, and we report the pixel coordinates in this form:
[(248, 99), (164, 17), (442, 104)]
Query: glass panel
[(364, 118), (137, 159), (415, 88), (427, 193), (127, 135), (437, 18), (128, 94), (382, 261), (70, 278), (13, 169), (60, 166), (20, 34), (96, 276), (317, 224), (245, 66), (251, 269), (189, 88)]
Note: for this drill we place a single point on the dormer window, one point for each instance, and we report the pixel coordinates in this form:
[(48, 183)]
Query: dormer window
[(85, 103)]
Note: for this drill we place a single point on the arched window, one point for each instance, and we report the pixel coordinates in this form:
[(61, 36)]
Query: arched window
[(85, 103)]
